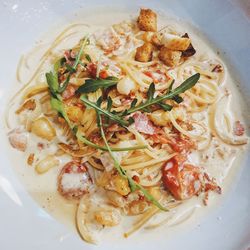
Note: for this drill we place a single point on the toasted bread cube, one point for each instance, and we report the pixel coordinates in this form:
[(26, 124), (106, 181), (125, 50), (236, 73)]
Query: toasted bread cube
[(144, 53), (156, 40), (169, 57), (174, 42), (147, 20), (190, 51)]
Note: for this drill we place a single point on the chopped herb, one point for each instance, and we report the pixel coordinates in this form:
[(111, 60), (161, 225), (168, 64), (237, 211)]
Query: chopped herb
[(92, 85)]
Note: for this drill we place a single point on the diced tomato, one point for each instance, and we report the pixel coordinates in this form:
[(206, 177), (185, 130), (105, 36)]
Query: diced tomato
[(103, 74), (148, 73)]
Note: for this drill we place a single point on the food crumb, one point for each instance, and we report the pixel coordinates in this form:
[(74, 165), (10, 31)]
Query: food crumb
[(30, 159)]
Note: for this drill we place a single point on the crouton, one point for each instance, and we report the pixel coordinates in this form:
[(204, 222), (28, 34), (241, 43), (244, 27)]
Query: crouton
[(156, 40), (144, 53), (147, 20), (169, 57), (174, 42), (190, 51)]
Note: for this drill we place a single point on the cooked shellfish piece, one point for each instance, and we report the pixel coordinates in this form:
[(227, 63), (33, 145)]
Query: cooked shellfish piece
[(74, 180)]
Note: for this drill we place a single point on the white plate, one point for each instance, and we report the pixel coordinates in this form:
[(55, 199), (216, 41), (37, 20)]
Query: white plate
[(24, 225)]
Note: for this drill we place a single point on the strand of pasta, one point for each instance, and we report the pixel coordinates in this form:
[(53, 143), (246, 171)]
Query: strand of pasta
[(61, 37), (148, 163), (181, 130), (144, 218)]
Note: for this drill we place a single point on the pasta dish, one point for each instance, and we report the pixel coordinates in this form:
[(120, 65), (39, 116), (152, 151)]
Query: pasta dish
[(130, 121)]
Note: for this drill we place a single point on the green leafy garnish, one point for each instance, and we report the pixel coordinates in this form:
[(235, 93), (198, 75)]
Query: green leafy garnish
[(88, 58), (59, 107), (187, 84), (52, 83), (83, 139), (92, 85), (133, 185), (105, 112), (79, 55)]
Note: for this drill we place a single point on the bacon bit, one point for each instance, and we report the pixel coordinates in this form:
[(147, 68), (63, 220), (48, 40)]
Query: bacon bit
[(141, 197), (157, 76), (205, 200), (113, 128), (69, 55), (211, 184), (238, 129), (92, 68), (60, 120), (30, 159), (68, 92), (182, 145), (136, 178), (103, 74), (143, 124), (40, 146), (148, 73), (95, 137), (157, 138), (18, 139), (218, 69)]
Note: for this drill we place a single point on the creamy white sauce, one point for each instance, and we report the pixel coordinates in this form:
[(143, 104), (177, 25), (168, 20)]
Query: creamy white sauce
[(43, 188)]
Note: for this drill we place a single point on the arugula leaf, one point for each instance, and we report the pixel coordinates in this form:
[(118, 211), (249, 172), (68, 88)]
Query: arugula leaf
[(97, 107), (187, 84), (178, 99), (70, 68), (59, 107), (133, 103), (79, 55), (83, 139), (88, 58), (165, 106), (52, 82), (92, 85), (59, 64), (133, 185), (109, 103), (151, 91)]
